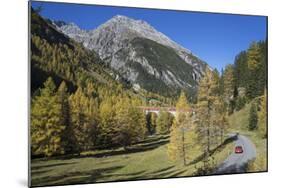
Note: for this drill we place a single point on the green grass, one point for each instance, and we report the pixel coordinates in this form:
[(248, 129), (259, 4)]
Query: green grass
[(238, 123), (221, 154), (146, 160)]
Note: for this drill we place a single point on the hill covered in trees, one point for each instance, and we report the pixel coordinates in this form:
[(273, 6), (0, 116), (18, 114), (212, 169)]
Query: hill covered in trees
[(76, 99), (65, 109), (246, 79), (221, 103)]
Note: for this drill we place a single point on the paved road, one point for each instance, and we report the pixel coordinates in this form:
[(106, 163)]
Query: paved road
[(237, 163)]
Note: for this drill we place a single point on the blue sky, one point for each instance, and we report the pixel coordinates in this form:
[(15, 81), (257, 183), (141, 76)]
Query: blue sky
[(215, 38)]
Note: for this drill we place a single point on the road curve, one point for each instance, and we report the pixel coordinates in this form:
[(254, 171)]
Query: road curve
[(237, 163)]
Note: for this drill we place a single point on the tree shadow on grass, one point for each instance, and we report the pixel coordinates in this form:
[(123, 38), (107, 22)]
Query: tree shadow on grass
[(124, 176), (39, 172), (218, 148), (146, 145), (154, 139), (104, 175), (112, 176), (38, 167), (74, 177), (149, 175), (129, 150), (166, 172), (143, 145), (158, 174), (137, 175), (163, 169), (98, 174)]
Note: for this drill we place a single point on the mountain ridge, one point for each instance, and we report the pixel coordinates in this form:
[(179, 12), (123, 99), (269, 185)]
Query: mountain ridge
[(60, 24), (115, 36)]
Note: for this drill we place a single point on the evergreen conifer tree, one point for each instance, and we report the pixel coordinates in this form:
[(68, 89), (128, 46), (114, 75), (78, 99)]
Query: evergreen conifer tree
[(253, 117), (262, 116)]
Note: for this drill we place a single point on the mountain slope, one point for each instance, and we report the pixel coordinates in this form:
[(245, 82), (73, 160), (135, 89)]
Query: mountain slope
[(140, 64), (140, 54), (55, 54)]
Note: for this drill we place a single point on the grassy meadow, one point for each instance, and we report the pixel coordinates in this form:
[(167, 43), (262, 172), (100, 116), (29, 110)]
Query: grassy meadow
[(145, 160)]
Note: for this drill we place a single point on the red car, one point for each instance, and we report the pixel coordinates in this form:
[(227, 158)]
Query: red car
[(238, 149)]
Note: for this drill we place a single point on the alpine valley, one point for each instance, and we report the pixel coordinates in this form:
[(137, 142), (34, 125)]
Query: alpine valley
[(123, 101)]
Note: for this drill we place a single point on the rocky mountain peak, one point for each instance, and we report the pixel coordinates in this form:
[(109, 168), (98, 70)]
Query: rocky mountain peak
[(120, 23), (132, 47), (120, 18), (59, 23)]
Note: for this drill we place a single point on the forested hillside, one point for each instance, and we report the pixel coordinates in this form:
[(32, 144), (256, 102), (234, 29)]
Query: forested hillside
[(220, 98), (54, 54), (65, 115), (245, 88), (246, 79)]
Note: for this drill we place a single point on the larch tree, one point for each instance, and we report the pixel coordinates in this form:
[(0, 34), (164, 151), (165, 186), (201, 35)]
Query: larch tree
[(219, 109), (253, 56), (206, 129), (182, 135), (92, 112), (221, 83), (262, 72), (80, 121), (163, 122), (219, 119), (228, 92), (46, 126), (241, 69), (254, 65), (65, 118), (151, 118), (262, 116), (129, 123), (107, 115)]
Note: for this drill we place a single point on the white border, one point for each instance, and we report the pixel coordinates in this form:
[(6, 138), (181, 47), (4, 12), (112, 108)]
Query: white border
[(13, 99)]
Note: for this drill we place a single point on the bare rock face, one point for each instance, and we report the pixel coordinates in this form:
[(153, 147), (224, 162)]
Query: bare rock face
[(136, 50)]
